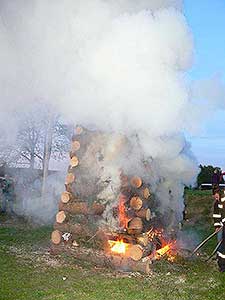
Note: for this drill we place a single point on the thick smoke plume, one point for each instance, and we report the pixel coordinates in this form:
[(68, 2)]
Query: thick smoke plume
[(115, 65)]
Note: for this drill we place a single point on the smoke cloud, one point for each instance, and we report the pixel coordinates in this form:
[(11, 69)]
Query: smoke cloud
[(116, 65)]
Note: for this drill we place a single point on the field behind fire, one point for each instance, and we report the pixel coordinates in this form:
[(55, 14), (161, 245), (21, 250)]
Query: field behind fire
[(27, 271)]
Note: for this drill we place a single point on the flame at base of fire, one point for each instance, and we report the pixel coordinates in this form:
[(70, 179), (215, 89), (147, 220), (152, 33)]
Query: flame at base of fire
[(118, 247), (166, 250)]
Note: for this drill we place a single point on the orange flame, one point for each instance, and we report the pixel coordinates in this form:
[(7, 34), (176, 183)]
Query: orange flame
[(168, 250), (118, 246), (163, 250), (123, 220)]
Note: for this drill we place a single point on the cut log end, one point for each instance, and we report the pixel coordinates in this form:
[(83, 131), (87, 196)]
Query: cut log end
[(144, 213), (65, 197), (60, 217), (136, 203), (78, 130), (74, 162), (148, 214), (136, 182), (146, 193), (142, 239), (75, 146), (136, 252), (56, 237)]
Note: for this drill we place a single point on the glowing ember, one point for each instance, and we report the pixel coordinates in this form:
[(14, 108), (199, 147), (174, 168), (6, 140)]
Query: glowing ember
[(163, 250), (168, 250), (118, 246)]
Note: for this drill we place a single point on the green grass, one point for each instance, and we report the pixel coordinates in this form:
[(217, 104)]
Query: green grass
[(27, 271)]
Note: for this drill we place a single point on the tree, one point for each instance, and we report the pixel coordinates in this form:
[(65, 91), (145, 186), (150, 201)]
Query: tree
[(205, 175), (41, 136)]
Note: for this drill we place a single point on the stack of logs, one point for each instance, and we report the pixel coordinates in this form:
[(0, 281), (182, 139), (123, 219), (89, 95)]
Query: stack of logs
[(134, 217), (76, 215), (78, 218)]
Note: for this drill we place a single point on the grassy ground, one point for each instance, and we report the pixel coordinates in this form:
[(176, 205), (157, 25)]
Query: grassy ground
[(27, 271)]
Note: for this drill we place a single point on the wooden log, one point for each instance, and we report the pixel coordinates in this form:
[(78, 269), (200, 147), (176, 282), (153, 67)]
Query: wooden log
[(146, 193), (66, 197), (63, 227), (77, 219), (74, 207), (120, 236), (78, 130), (75, 149), (136, 252), (136, 182), (96, 209), (74, 162), (135, 226), (75, 146), (144, 213), (77, 230), (80, 207), (136, 203), (56, 237), (126, 191), (128, 264), (70, 178), (142, 239), (69, 188), (61, 217)]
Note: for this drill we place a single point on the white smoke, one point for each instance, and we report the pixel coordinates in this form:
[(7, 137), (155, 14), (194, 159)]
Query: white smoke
[(117, 64)]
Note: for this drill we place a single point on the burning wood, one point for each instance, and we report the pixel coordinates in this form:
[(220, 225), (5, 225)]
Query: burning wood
[(118, 247), (162, 251), (166, 250), (123, 219), (133, 241), (142, 239)]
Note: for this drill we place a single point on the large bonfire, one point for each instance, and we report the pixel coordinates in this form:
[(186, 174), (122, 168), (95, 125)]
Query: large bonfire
[(108, 201)]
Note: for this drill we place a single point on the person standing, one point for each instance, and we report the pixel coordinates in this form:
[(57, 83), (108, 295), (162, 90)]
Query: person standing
[(8, 194), (216, 178), (219, 220), (217, 214)]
